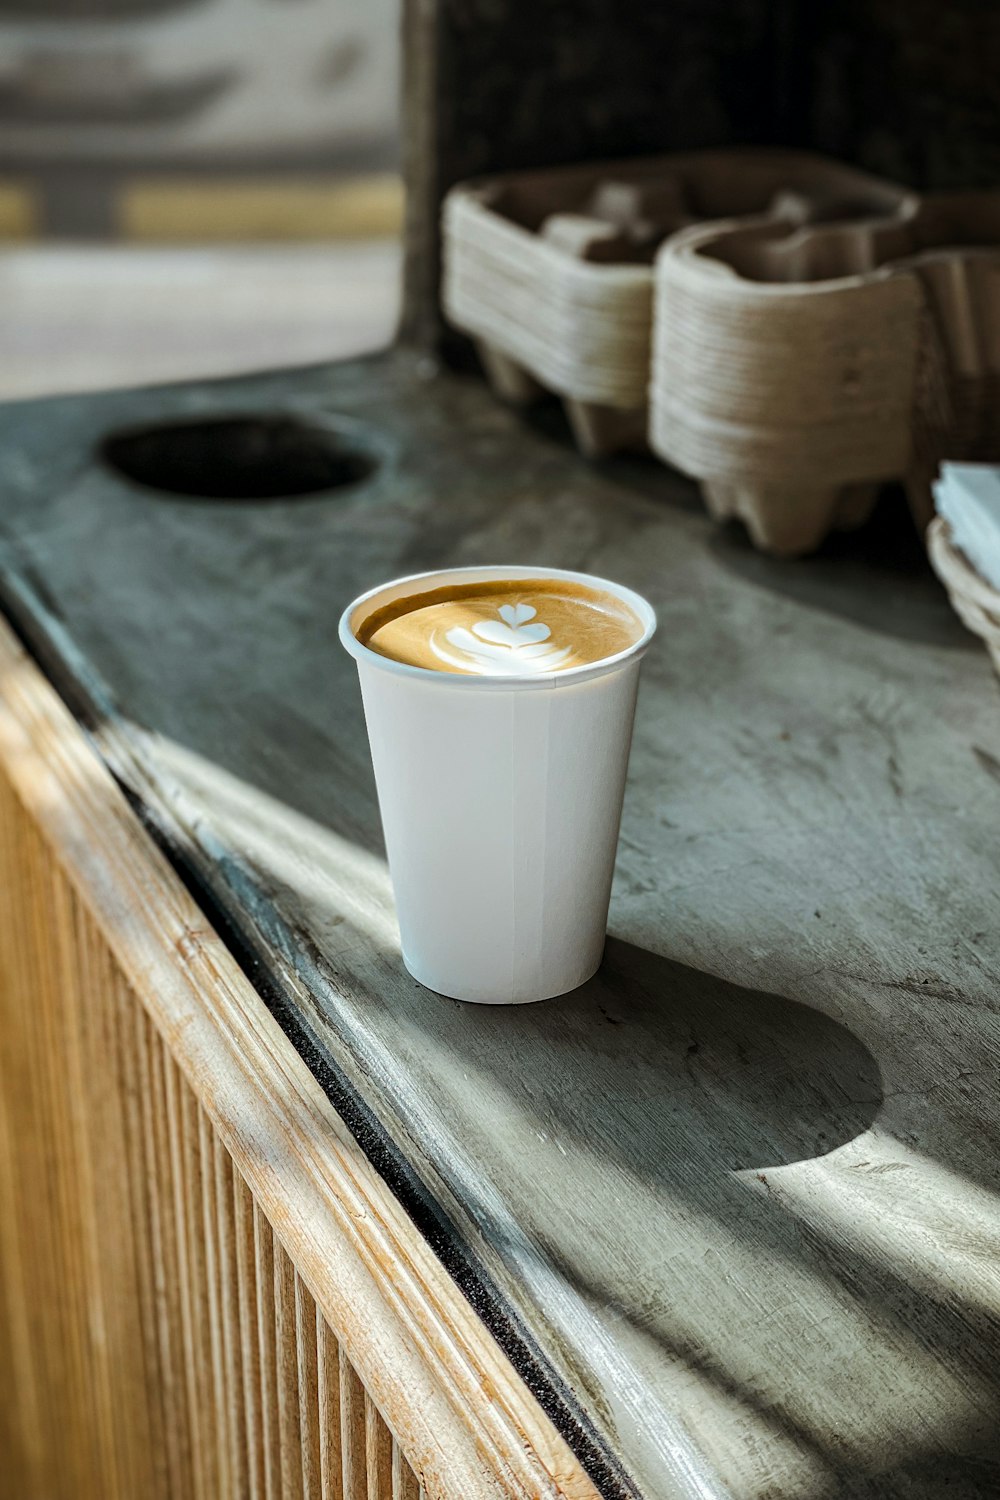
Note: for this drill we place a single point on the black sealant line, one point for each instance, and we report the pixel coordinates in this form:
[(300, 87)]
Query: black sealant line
[(475, 1284)]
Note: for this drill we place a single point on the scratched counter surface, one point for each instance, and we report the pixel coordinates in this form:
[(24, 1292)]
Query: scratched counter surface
[(733, 1206)]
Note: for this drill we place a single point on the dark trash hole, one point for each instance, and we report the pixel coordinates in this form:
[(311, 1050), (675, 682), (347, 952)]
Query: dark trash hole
[(237, 458)]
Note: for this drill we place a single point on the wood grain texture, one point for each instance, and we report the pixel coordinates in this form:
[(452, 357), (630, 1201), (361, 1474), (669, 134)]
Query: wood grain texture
[(311, 1415), (165, 1339), (289, 1436), (405, 1485), (247, 1292), (378, 1453), (266, 1332), (353, 1433), (328, 1399), (740, 1192)]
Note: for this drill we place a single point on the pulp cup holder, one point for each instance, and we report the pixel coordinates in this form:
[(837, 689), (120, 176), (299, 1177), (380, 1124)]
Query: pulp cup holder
[(263, 457)]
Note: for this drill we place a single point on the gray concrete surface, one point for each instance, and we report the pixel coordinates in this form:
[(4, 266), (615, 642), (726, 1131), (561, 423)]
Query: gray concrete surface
[(733, 1206)]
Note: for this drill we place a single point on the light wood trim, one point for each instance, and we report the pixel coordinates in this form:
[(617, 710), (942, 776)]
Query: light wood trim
[(462, 1417)]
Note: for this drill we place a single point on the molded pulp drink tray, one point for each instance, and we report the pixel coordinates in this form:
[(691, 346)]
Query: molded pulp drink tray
[(789, 331)]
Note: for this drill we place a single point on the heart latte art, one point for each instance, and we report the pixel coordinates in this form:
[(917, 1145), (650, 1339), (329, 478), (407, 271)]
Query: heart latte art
[(506, 628)]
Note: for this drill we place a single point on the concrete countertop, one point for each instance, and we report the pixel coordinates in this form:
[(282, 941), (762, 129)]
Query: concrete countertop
[(732, 1208)]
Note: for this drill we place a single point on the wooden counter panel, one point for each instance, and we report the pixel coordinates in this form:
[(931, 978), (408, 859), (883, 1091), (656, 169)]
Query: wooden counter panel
[(186, 1311), (134, 1328)]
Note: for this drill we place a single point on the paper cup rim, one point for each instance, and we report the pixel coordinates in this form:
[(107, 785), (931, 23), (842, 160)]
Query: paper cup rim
[(467, 681)]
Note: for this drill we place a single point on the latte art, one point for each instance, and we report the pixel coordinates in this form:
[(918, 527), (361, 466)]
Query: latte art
[(507, 628), (516, 642)]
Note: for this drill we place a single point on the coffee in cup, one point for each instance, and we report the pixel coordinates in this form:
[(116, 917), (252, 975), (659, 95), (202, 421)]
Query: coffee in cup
[(504, 628)]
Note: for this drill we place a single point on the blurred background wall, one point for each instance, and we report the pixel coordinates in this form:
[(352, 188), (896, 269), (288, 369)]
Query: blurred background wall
[(112, 110), (194, 187)]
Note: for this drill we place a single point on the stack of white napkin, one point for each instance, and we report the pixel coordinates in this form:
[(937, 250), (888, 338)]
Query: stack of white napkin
[(968, 498)]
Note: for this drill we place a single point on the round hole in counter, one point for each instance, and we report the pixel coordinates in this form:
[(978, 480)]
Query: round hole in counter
[(267, 457)]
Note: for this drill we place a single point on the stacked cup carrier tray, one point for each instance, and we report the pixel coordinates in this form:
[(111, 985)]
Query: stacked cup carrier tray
[(789, 331)]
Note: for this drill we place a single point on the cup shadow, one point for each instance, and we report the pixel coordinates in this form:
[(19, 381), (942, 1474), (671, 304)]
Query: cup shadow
[(677, 1073)]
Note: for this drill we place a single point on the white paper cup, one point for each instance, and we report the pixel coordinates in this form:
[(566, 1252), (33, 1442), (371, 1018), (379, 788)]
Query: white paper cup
[(501, 799)]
